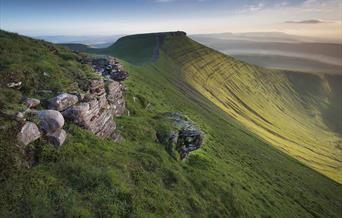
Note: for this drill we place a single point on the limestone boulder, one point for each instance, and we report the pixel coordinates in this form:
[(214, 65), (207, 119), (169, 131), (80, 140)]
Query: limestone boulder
[(28, 133), (31, 102), (57, 137), (50, 120), (62, 101)]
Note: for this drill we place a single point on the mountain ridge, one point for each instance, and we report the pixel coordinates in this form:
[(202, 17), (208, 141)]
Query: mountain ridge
[(290, 124)]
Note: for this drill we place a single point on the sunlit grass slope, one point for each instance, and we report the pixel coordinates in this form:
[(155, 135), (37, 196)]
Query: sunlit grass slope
[(297, 113)]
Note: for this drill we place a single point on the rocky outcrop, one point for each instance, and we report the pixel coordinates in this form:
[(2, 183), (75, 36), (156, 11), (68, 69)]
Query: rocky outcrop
[(62, 101), (183, 136), (28, 133), (91, 116), (115, 98), (95, 113), (108, 67)]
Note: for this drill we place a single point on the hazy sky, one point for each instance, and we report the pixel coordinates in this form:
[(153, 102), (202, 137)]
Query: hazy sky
[(87, 17)]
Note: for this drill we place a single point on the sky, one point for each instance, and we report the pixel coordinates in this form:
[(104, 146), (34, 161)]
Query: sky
[(318, 18)]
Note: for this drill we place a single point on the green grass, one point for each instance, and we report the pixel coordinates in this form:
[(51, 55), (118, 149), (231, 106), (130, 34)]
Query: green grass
[(26, 60), (234, 174), (298, 113)]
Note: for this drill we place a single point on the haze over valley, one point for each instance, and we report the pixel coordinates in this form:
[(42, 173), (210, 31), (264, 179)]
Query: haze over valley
[(279, 50)]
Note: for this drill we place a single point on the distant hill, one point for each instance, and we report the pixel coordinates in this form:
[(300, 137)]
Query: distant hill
[(265, 37), (98, 41), (278, 50)]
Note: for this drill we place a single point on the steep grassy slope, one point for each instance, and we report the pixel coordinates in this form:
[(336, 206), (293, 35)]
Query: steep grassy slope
[(291, 111), (235, 174), (41, 67), (301, 114)]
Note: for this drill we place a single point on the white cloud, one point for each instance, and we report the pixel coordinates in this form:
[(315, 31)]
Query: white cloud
[(320, 18), (252, 8)]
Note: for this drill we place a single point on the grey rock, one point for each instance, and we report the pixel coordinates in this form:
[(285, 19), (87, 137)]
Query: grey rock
[(79, 95), (106, 66), (29, 132), (50, 120), (95, 112), (77, 113), (119, 75), (19, 116), (32, 102), (57, 137), (115, 97), (183, 135), (14, 84), (97, 87), (94, 116), (62, 101)]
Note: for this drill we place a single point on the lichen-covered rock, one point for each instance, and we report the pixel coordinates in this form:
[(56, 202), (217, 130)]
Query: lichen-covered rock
[(28, 133), (31, 102), (182, 135), (62, 101), (50, 120), (115, 97), (57, 137)]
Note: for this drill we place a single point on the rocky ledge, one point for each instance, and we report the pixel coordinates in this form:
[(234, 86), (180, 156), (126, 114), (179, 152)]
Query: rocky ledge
[(106, 66), (92, 110), (184, 136), (95, 112)]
